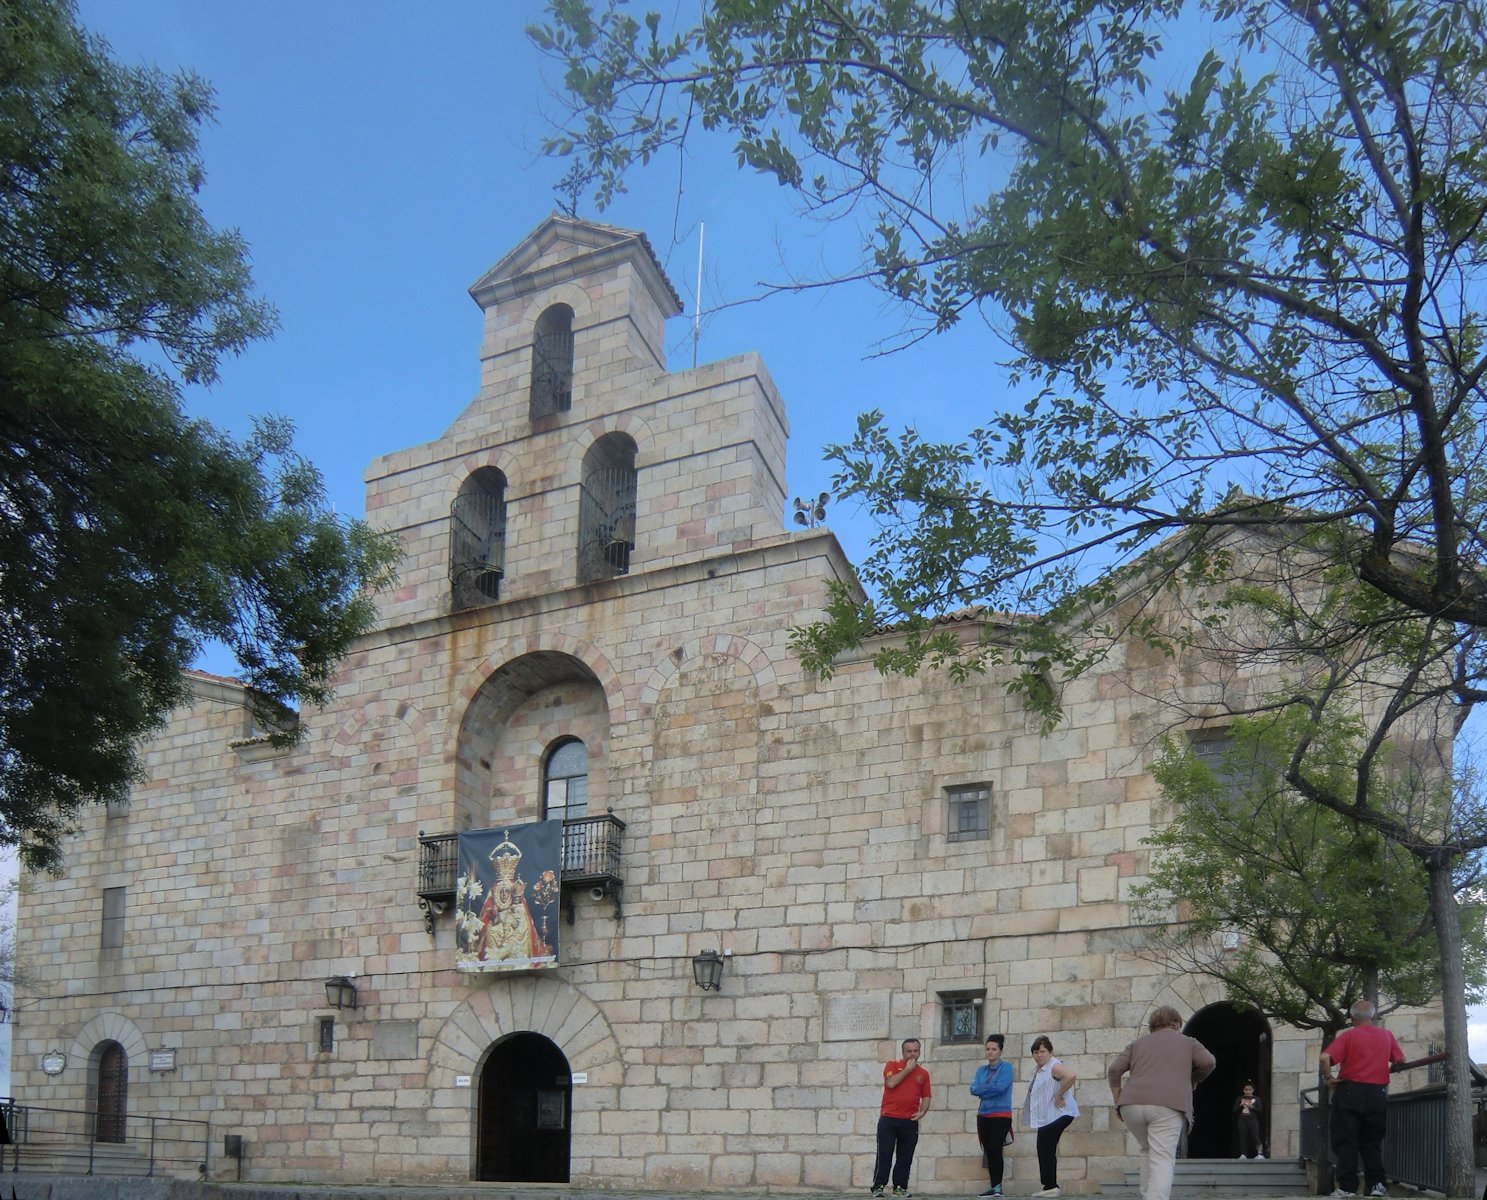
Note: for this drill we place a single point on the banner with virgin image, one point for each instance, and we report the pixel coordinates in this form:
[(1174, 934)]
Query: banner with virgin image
[(506, 898)]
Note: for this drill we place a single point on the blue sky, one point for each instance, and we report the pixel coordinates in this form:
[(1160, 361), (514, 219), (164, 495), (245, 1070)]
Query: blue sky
[(379, 157)]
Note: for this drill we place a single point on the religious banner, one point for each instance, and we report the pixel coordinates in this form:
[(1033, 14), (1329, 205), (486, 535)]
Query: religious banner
[(506, 901)]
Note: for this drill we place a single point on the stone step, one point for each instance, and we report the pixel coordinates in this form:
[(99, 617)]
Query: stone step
[(1211, 1177), (72, 1158)]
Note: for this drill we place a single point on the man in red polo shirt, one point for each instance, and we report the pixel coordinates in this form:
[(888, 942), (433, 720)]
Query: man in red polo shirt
[(1365, 1056), (905, 1100)]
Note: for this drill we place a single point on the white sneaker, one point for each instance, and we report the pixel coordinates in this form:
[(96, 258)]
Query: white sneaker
[(1258, 1157), (1378, 1189), (1053, 1191), (1340, 1192), (1244, 1158)]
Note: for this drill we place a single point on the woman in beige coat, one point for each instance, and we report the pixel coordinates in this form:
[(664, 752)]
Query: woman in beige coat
[(1156, 1100)]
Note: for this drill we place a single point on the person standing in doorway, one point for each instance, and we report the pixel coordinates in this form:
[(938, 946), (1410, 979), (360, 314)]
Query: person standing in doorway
[(1156, 1099), (993, 1087), (1050, 1108), (1365, 1056), (1247, 1123), (905, 1101)]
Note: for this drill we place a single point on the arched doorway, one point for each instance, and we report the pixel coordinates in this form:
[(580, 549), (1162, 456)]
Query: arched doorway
[(1239, 1038), (525, 1105), (110, 1093)]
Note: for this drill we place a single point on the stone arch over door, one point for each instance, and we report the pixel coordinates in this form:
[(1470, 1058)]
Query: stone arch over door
[(116, 1055), (539, 1004), (1239, 1037)]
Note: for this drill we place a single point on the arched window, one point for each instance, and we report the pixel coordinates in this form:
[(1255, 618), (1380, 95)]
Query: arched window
[(552, 363), (565, 781), (477, 539), (606, 509)]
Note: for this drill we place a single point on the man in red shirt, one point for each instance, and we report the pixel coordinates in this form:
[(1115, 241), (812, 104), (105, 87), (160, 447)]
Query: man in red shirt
[(1365, 1056), (905, 1101)]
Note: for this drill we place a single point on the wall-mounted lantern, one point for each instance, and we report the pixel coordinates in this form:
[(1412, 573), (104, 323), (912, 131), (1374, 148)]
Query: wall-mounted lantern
[(707, 970), (340, 992)]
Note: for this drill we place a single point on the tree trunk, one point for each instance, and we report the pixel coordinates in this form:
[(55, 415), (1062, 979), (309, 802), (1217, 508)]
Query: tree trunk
[(1460, 1162), (1325, 1171)]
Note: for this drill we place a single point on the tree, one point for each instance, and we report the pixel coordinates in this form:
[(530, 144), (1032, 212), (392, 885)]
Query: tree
[(129, 533), (1244, 300), (1321, 912)]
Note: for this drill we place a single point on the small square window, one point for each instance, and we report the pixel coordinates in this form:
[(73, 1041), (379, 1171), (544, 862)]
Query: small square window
[(960, 1023), (969, 813), (327, 1034), (1233, 766)]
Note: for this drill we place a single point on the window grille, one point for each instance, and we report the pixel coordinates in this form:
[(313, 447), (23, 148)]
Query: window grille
[(327, 1034), (552, 363), (477, 540), (606, 509), (960, 1014), (969, 813), (1215, 749)]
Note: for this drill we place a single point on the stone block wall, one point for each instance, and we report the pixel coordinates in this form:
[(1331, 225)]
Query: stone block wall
[(797, 826)]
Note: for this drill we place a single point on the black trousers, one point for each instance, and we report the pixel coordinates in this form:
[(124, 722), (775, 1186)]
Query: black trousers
[(993, 1134), (1048, 1136), (1249, 1134), (1359, 1117), (897, 1137)]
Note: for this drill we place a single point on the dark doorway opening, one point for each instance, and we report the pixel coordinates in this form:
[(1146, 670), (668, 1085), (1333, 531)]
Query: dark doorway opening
[(1240, 1039), (525, 1108), (111, 1099)]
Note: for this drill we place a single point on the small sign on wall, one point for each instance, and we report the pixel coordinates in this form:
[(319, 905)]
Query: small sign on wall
[(580, 1077), (855, 1018), (162, 1060), (461, 1081)]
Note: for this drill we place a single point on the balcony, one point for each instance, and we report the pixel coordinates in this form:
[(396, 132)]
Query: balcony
[(591, 861)]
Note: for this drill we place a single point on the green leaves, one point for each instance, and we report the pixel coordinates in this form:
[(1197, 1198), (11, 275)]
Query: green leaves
[(131, 534), (1325, 910)]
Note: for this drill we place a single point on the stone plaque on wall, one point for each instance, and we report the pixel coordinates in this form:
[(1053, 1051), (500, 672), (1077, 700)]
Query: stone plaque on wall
[(395, 1039), (856, 1018)]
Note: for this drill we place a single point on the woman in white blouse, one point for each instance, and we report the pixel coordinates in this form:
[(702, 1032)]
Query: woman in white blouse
[(1050, 1108)]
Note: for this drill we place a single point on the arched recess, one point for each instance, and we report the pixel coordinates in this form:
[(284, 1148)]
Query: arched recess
[(607, 508), (552, 363), (115, 1053), (524, 1112), (532, 1004), (522, 708), (1239, 1037), (753, 656), (477, 540), (108, 1092)]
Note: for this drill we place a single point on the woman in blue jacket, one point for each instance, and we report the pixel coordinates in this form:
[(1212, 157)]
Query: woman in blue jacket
[(993, 1085)]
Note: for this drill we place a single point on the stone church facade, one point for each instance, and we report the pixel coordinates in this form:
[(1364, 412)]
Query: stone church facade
[(593, 623)]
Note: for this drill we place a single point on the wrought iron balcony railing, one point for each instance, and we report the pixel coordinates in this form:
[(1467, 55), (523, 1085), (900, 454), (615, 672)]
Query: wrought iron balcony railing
[(591, 860)]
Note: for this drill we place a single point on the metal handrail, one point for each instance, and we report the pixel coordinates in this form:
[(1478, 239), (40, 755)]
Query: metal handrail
[(591, 852), (181, 1146), (1414, 1148)]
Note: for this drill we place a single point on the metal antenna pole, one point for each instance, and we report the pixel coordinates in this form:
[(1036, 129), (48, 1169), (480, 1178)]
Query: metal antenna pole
[(697, 300)]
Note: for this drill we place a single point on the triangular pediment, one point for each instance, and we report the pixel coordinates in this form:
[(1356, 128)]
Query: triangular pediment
[(568, 248)]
